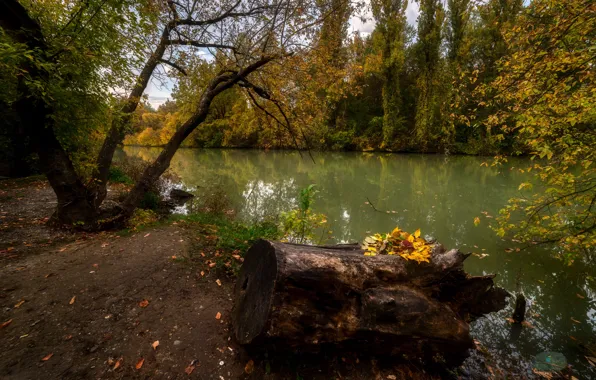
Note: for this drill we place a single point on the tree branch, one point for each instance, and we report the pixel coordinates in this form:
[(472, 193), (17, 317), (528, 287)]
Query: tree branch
[(174, 65), (201, 45)]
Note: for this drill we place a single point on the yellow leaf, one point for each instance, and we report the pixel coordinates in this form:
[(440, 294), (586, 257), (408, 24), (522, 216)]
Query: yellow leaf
[(417, 233), (155, 344), (72, 300), (476, 221)]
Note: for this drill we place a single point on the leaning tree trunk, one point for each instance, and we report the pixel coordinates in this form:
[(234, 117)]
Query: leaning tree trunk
[(299, 297)]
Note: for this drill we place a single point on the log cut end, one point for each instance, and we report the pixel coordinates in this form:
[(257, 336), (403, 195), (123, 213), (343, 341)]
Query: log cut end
[(254, 291)]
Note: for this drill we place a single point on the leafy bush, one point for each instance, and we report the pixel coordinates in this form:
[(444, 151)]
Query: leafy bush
[(299, 225), (215, 201), (117, 175), (231, 238), (150, 201)]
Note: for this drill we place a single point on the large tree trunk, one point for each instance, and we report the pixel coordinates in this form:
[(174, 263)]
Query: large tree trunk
[(300, 297)]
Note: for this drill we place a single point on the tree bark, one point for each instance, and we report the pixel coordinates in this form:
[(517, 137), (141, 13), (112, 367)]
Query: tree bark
[(300, 297)]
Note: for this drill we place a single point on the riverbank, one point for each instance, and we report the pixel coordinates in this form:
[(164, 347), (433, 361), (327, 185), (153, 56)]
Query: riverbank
[(456, 152), (151, 303)]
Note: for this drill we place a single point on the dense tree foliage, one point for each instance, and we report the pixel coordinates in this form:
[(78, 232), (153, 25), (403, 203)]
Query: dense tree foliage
[(545, 92), (401, 88)]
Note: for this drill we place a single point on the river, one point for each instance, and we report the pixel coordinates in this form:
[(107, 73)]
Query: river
[(441, 195)]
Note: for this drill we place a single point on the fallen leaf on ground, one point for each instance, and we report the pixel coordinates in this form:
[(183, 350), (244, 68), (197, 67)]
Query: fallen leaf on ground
[(527, 324), (191, 367), (95, 265), (147, 235), (155, 344), (218, 282), (144, 303), (49, 275), (62, 250), (580, 296), (47, 357), (218, 315), (391, 377), (510, 320), (249, 367), (591, 360), (202, 273), (575, 320), (140, 363), (212, 265), (72, 300), (68, 337), (118, 363), (173, 257), (19, 304)]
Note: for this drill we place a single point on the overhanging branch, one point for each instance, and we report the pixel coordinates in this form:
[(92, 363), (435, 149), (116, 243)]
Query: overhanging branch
[(201, 44), (174, 65)]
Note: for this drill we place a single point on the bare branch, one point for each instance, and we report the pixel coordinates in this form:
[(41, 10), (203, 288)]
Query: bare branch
[(174, 65), (201, 44)]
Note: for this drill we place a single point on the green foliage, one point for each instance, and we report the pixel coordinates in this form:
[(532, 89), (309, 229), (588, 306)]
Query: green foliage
[(544, 93), (300, 224), (117, 175), (150, 201), (231, 238)]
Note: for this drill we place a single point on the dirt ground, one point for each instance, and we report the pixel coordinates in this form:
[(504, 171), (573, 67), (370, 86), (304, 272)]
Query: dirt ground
[(105, 306)]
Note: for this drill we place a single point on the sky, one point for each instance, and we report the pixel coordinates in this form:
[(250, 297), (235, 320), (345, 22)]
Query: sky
[(158, 92)]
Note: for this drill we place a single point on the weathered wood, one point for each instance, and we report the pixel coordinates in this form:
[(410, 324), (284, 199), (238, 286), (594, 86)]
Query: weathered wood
[(300, 296)]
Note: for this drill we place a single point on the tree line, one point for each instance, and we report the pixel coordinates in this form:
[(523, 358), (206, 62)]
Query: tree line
[(402, 88)]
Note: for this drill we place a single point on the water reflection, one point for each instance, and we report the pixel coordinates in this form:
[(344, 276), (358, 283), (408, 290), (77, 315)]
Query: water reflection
[(440, 195)]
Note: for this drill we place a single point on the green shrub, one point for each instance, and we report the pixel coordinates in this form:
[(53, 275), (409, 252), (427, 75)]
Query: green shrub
[(150, 201), (117, 175), (299, 225)]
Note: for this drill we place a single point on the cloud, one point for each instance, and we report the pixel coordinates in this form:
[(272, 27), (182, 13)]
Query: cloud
[(365, 23)]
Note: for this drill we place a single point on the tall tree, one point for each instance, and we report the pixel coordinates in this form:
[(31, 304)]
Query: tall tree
[(428, 50), (391, 24)]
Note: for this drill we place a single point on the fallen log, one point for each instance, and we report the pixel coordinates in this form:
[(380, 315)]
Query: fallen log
[(293, 296)]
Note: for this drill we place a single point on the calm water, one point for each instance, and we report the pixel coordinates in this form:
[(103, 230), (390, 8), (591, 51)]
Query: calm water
[(442, 196)]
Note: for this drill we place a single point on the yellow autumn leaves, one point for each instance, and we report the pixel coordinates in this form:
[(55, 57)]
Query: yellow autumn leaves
[(398, 242)]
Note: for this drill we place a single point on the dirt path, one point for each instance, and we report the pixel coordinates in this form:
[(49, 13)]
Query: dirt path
[(77, 301)]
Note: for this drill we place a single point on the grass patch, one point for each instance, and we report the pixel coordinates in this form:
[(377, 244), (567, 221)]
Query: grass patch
[(117, 175), (224, 241)]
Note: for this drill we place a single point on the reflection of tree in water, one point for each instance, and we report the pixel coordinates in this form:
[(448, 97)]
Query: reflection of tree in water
[(263, 184)]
